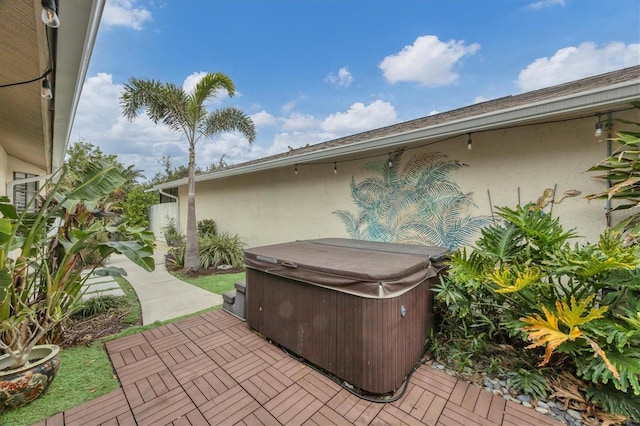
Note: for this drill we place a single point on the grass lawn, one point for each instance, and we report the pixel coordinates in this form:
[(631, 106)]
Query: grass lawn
[(218, 283), (85, 371)]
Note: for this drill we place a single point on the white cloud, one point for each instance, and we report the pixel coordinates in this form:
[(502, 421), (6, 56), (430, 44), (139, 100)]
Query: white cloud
[(545, 3), (289, 106), (283, 141), (360, 118), (142, 143), (124, 13), (479, 99), (572, 63), (192, 80), (299, 122), (428, 61), (343, 79), (263, 118)]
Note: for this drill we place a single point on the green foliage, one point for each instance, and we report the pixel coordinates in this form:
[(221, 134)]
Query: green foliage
[(206, 227), (42, 256), (187, 114), (99, 305), (136, 207), (622, 170), (614, 402), (525, 287), (172, 236), (215, 250), (221, 249), (530, 382)]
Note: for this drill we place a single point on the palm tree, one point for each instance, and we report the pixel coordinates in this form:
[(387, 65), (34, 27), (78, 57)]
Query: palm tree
[(185, 113)]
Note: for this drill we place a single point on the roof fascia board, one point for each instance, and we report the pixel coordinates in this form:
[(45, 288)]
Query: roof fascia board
[(597, 98), (76, 39)]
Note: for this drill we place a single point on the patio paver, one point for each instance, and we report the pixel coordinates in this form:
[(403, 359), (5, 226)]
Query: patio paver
[(212, 369)]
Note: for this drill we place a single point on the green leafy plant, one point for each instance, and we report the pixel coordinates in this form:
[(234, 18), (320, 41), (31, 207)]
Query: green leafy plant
[(531, 382), (215, 250), (622, 170), (221, 249), (172, 236), (98, 305), (42, 267), (206, 227), (525, 287)]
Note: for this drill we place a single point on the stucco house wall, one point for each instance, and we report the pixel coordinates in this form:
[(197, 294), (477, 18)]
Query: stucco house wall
[(434, 190), (504, 167)]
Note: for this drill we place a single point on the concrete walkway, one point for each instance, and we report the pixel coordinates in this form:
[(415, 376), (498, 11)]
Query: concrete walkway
[(162, 296)]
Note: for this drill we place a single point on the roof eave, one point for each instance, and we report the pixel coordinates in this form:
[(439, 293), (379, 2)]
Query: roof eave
[(582, 101), (76, 37)]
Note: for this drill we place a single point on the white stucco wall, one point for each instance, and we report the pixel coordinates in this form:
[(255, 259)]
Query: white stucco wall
[(278, 206)]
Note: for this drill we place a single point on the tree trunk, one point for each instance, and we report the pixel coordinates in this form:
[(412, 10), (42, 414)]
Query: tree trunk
[(192, 251)]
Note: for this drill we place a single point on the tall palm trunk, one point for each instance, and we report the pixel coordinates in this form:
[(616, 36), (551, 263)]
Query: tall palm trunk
[(192, 251)]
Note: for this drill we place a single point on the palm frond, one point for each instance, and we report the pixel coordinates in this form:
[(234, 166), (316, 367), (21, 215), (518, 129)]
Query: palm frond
[(228, 120)]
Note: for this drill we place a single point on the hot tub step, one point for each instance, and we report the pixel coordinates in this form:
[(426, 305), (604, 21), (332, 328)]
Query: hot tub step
[(234, 300)]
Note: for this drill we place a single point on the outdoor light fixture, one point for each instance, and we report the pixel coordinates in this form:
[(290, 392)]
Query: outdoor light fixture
[(335, 168), (295, 170), (598, 127), (469, 143), (49, 15), (45, 91)]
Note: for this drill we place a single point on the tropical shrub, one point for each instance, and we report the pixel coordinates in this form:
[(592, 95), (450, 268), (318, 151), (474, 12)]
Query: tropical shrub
[(221, 249), (171, 235), (215, 250), (622, 170), (43, 270), (526, 293), (206, 227)]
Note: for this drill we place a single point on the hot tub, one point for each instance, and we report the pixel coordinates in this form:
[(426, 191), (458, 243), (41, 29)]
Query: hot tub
[(360, 310)]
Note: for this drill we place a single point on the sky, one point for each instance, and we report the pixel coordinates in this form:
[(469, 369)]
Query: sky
[(309, 71)]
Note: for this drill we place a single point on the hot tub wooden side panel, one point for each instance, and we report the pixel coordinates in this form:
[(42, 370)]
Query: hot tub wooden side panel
[(299, 316), (365, 341), (383, 344)]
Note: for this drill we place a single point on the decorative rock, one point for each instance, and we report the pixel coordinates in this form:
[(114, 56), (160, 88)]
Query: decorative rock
[(497, 392), (558, 412), (524, 398), (575, 414), (507, 397), (527, 404), (495, 385), (542, 404), (542, 410), (552, 404), (488, 388), (503, 383), (487, 383), (517, 401)]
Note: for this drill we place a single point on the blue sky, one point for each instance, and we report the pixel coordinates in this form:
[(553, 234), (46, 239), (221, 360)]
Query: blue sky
[(308, 71)]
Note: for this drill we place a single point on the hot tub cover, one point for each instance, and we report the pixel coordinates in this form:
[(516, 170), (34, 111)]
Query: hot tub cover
[(366, 268)]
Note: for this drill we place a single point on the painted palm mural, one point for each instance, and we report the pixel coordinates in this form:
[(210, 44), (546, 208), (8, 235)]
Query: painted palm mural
[(414, 201)]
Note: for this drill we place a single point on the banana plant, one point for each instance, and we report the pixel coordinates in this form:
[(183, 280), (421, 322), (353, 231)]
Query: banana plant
[(42, 256)]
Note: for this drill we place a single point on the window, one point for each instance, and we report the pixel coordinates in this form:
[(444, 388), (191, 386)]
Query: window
[(24, 192)]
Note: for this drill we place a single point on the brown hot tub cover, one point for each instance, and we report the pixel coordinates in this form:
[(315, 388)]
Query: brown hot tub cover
[(364, 268)]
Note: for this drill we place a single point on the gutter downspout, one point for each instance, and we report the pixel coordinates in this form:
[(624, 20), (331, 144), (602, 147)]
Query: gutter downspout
[(609, 152), (161, 191)]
